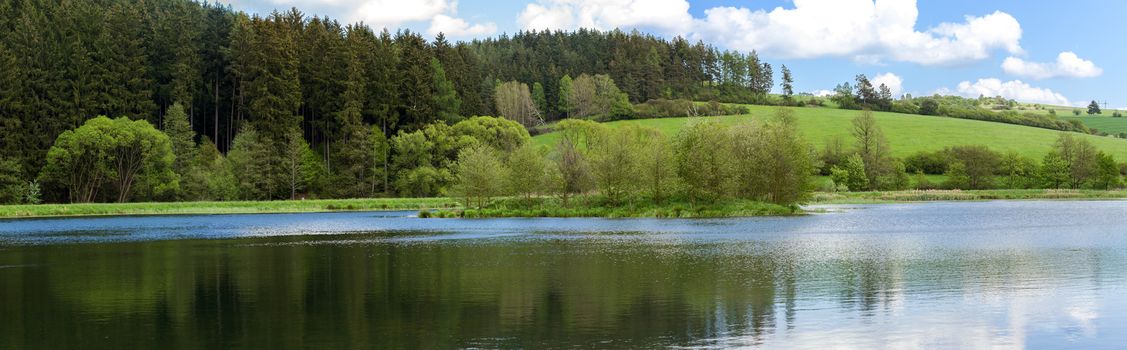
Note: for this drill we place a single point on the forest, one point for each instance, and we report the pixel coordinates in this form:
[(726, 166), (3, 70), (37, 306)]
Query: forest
[(289, 81)]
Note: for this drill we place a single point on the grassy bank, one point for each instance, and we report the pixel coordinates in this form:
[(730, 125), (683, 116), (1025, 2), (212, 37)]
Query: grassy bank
[(601, 208), (957, 195), (545, 207), (237, 207)]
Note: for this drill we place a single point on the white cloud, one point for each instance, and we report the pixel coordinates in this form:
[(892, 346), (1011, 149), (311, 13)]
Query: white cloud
[(1014, 89), (380, 14), (666, 16), (869, 31), (823, 93), (1068, 64), (866, 30), (457, 27), (391, 13), (894, 83)]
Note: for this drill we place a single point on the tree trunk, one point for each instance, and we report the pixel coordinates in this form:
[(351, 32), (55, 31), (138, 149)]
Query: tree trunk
[(215, 128)]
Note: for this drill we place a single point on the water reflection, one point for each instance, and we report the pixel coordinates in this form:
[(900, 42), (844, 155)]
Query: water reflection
[(920, 276)]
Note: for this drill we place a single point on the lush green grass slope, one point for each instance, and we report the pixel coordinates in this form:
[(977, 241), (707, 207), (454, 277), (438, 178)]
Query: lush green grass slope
[(906, 133), (1104, 122)]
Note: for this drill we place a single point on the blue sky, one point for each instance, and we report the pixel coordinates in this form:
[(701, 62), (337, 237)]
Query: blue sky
[(1034, 51)]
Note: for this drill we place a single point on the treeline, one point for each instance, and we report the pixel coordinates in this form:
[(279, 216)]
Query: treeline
[(1073, 163), (70, 61), (129, 160), (476, 159), (706, 162)]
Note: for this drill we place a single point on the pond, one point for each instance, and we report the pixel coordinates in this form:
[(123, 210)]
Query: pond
[(1036, 274)]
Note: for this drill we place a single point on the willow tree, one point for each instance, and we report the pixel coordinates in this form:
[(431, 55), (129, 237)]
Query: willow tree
[(702, 158), (771, 161), (478, 175), (872, 147), (111, 155), (527, 172), (597, 96)]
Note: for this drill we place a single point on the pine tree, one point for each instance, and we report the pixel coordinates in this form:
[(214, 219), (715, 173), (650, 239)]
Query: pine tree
[(787, 84), (126, 80), (272, 88), (324, 69), (11, 181), (352, 150), (173, 45), (1094, 108), (215, 97), (866, 94), (10, 106), (29, 72), (653, 75), (539, 99), (446, 102), (380, 64), (250, 157), (182, 137), (884, 97), (416, 79)]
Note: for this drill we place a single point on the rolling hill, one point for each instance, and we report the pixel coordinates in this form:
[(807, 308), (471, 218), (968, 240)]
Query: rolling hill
[(906, 133), (1104, 122)]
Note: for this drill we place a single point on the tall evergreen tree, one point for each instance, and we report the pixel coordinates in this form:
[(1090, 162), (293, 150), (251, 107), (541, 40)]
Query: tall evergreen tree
[(416, 80), (380, 63), (353, 151), (182, 137), (539, 99), (787, 84), (323, 71), (126, 83), (446, 102), (10, 102), (272, 86)]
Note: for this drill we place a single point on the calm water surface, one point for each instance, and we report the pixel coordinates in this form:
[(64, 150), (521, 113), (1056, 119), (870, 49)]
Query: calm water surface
[(937, 275)]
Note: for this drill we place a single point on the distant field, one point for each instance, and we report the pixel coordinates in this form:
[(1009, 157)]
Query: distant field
[(906, 133), (1105, 123)]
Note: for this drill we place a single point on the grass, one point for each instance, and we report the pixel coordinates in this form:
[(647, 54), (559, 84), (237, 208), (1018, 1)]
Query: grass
[(824, 181), (1062, 111), (596, 206), (593, 206), (958, 195), (234, 207), (906, 133), (1103, 122)]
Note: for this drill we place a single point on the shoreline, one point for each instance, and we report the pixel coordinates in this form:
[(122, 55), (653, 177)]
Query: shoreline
[(917, 196), (221, 208), (451, 208)]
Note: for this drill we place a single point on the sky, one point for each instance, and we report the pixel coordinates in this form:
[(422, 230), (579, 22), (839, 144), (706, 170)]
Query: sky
[(1036, 51)]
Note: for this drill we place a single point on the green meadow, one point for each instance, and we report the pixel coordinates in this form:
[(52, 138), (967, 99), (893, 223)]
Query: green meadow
[(1104, 122), (906, 133)]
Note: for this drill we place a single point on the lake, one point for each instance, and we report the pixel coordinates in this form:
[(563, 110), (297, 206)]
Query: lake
[(1030, 274)]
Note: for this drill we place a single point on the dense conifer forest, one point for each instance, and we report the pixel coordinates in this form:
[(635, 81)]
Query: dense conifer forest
[(270, 79)]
